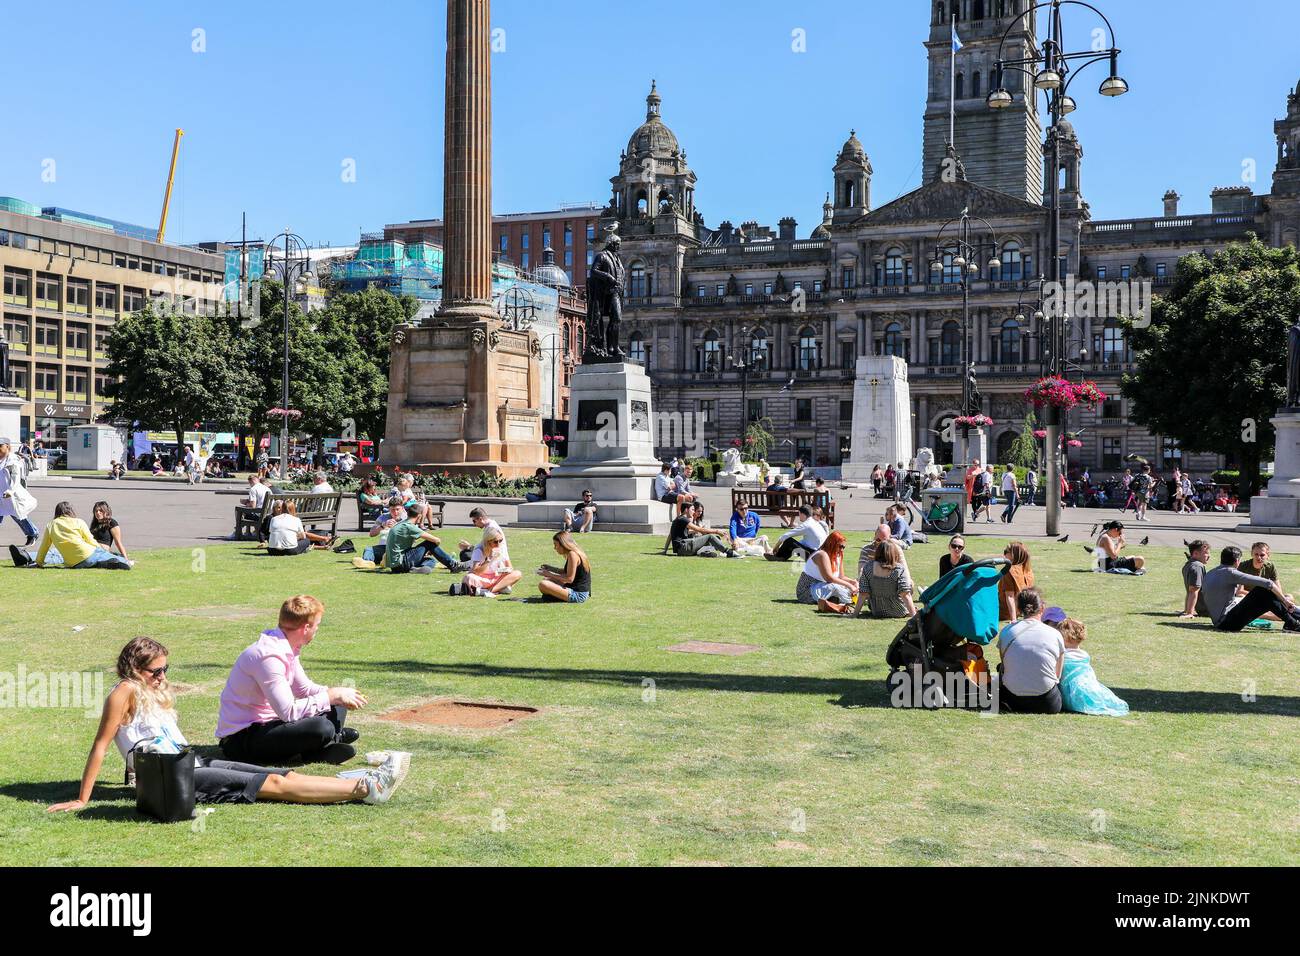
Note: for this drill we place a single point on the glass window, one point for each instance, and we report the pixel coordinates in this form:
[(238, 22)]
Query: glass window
[(638, 287), (749, 288), (523, 241), (106, 298), (75, 383), (803, 410), (817, 286), (758, 355), (710, 353), (546, 237), (1161, 271), (1125, 271), (18, 331), (591, 257), (77, 337), (1170, 453), (767, 288), (1113, 346), (706, 410), (568, 235), (1101, 272), (17, 287), (1009, 342), (846, 411), (47, 290), (809, 352), (523, 259), (101, 336), (894, 340), (20, 379), (591, 232), (951, 273), (848, 277), (504, 242), (636, 348), (699, 292), (1112, 454), (568, 258), (47, 381), (78, 295), (950, 344), (1013, 266), (755, 409), (101, 385)]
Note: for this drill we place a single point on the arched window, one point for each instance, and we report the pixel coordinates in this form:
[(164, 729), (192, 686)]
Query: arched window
[(961, 86), (950, 344), (951, 272), (850, 194), (637, 286), (1009, 347), (894, 267), (1112, 342), (758, 353), (975, 85), (809, 353), (566, 343), (641, 203), (1013, 266), (582, 338), (636, 348), (1005, 441), (893, 342), (710, 353)]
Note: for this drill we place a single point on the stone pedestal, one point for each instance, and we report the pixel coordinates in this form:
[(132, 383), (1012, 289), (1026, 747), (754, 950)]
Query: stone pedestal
[(1279, 511), (882, 417), (11, 417), (611, 451)]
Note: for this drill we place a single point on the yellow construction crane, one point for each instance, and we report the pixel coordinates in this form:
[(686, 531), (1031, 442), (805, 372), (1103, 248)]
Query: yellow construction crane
[(171, 177)]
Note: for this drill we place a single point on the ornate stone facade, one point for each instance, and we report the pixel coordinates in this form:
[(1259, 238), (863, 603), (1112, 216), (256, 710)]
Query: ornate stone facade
[(737, 322)]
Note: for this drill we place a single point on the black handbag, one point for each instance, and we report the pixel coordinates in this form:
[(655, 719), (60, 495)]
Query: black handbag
[(164, 785)]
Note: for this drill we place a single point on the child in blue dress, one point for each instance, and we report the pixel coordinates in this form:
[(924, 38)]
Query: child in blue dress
[(1081, 691)]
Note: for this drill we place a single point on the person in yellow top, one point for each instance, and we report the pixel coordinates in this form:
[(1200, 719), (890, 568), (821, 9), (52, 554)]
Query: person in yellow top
[(67, 541)]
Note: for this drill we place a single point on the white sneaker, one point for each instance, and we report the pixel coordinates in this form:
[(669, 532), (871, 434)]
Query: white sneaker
[(422, 569), (506, 590), (380, 783), (484, 592), (399, 763)]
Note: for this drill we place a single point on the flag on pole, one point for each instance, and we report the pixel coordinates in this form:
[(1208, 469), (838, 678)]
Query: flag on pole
[(956, 41)]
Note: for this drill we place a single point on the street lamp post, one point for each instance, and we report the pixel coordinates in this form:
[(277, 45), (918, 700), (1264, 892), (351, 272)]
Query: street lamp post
[(965, 250), (743, 366), (1052, 70), (294, 267)]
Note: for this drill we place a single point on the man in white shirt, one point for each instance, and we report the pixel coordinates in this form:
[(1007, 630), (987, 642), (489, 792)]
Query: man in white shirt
[(257, 493), (191, 465), (322, 486), (1010, 492), (1033, 655), (346, 463), (806, 536)]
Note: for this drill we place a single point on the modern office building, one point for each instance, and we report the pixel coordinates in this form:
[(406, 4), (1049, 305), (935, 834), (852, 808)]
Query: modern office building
[(521, 238), (67, 278)]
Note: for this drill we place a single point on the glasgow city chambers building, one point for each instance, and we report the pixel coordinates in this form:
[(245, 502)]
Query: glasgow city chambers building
[(744, 322)]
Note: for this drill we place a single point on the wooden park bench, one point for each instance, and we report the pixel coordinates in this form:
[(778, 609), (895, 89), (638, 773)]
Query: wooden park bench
[(367, 517), (314, 510), (784, 504)]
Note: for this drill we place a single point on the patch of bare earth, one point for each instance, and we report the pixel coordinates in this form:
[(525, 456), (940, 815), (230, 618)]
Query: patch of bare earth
[(467, 714)]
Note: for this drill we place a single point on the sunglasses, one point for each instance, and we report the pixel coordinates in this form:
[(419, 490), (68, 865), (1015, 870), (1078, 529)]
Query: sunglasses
[(157, 671), (957, 547)]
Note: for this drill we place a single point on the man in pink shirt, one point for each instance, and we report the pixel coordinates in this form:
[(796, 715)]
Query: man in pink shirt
[(272, 712)]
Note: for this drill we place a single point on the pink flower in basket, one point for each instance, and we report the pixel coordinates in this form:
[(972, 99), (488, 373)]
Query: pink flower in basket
[(974, 421), (1040, 433)]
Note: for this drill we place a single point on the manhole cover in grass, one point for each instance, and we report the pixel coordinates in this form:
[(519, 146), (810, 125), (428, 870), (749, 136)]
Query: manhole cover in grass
[(713, 647), (461, 713)]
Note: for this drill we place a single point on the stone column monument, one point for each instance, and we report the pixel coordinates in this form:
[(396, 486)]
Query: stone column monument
[(882, 418), (464, 393), (1278, 512)]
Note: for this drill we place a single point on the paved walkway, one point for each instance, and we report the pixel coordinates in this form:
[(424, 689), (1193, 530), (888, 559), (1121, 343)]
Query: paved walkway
[(164, 515)]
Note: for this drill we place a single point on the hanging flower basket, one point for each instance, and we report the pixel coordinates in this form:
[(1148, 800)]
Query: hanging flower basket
[(557, 438), (1040, 433), (1059, 393), (1074, 443), (283, 413), (973, 421)]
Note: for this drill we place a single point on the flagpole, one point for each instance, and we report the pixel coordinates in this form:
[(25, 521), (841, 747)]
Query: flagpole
[(952, 85)]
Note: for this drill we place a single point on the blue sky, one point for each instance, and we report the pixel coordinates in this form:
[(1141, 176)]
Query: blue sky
[(285, 94)]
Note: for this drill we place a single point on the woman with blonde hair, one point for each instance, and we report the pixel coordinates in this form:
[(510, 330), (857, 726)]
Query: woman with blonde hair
[(1015, 579), (571, 583), (823, 582), (885, 584), (490, 571), (141, 712)]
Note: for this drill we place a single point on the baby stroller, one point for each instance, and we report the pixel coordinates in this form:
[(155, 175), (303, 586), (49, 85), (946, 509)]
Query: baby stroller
[(959, 609)]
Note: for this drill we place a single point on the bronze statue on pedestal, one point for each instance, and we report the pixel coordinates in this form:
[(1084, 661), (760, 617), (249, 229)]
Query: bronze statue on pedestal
[(605, 306)]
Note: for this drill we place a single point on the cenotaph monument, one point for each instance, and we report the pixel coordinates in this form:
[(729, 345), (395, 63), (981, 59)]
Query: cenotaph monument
[(882, 418)]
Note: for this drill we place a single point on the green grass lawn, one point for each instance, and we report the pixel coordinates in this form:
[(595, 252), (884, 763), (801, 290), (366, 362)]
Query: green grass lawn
[(790, 754)]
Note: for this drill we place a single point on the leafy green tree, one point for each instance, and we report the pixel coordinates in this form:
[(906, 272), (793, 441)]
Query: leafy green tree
[(170, 370), (758, 439), (1211, 366), (1024, 449)]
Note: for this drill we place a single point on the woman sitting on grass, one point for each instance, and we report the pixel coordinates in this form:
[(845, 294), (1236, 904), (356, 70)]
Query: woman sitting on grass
[(68, 542), (141, 710), (823, 582), (885, 585), (106, 531), (1017, 578), (288, 536), (491, 573), (571, 583)]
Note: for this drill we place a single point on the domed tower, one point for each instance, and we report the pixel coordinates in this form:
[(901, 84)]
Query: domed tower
[(654, 190), (823, 230), (852, 182), (1071, 164), (550, 273)]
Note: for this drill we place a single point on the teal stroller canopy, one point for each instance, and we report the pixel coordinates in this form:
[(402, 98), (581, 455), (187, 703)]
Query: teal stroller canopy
[(966, 599)]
